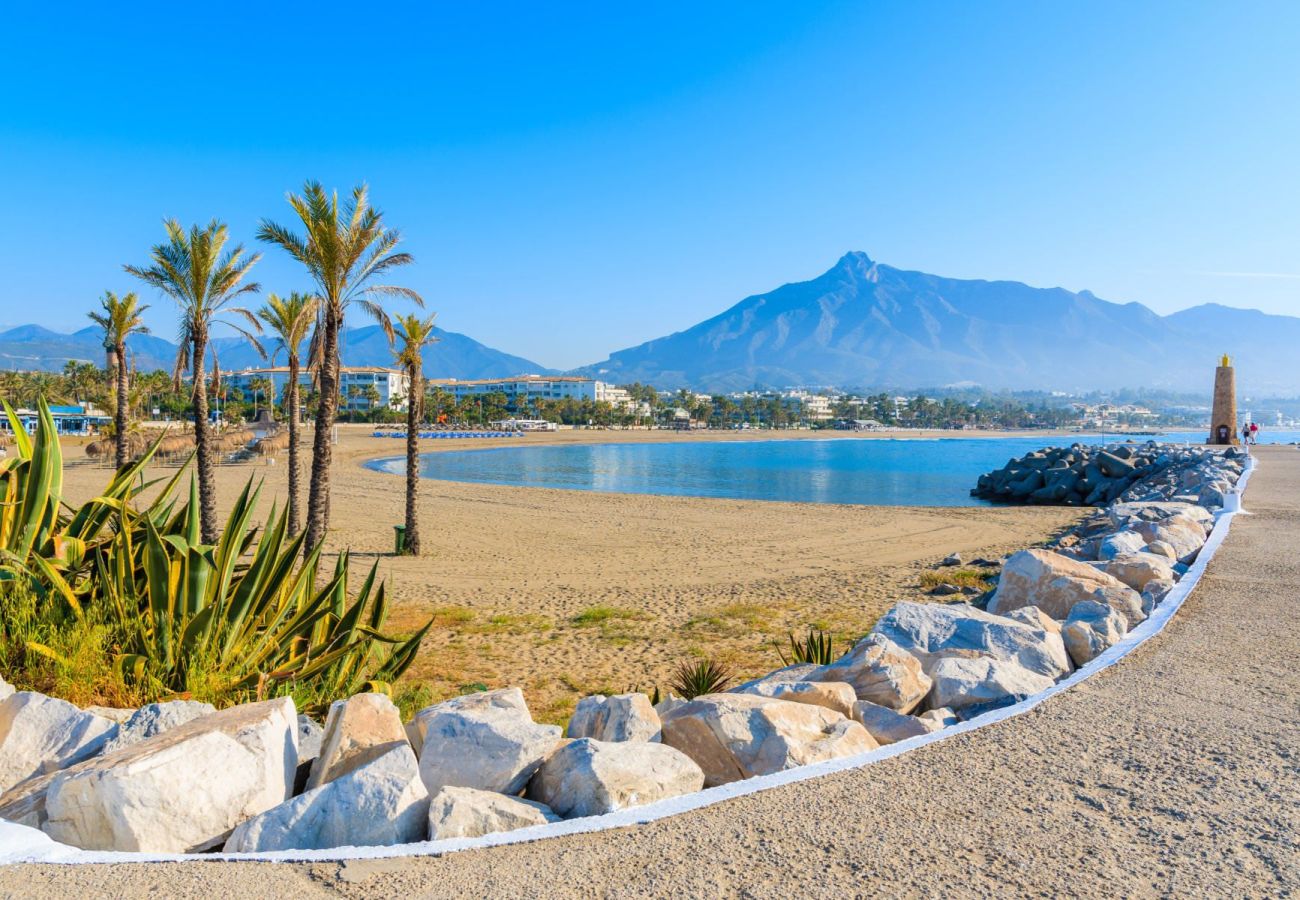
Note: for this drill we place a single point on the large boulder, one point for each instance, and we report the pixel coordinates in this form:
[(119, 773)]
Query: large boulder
[(40, 734), (622, 717), (377, 804), (932, 632), (357, 730), (1138, 569), (938, 719), (1035, 618), (487, 741), (962, 683), (181, 791), (1119, 543), (737, 736), (835, 695), (1091, 629), (880, 671), (887, 726), (589, 778), (1055, 583), (457, 812), (154, 719), (1183, 532)]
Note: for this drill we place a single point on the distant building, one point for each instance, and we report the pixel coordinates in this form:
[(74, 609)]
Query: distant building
[(390, 384), (535, 387), (67, 419)]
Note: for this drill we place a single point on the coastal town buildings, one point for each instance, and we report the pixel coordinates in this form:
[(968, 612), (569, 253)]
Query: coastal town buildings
[(536, 387), (360, 387)]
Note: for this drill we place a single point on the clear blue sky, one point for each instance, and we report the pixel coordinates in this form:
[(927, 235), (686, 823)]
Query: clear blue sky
[(577, 178)]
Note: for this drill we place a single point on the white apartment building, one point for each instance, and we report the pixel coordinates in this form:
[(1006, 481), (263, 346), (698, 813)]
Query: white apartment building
[(354, 381), (535, 387)]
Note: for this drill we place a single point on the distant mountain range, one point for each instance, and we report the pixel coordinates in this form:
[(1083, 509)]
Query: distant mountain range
[(862, 324), (866, 324), (454, 356)]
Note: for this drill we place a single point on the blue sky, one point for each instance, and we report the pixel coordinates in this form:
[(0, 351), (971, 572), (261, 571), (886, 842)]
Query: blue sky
[(576, 178)]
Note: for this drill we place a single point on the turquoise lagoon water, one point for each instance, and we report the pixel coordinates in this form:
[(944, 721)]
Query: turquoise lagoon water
[(879, 472)]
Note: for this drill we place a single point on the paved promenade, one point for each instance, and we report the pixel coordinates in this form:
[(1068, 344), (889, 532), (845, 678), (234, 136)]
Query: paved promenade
[(1174, 773)]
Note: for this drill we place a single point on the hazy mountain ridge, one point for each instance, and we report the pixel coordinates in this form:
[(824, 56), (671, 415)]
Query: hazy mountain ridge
[(453, 356), (863, 323)]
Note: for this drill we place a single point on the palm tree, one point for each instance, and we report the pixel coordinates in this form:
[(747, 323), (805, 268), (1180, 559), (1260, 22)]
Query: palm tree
[(416, 334), (345, 248), (197, 271), (289, 320), (120, 319)]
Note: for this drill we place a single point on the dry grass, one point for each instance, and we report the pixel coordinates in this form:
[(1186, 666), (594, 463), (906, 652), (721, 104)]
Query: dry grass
[(980, 579)]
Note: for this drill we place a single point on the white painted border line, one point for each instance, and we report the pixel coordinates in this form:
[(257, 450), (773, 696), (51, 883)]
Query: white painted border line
[(19, 844)]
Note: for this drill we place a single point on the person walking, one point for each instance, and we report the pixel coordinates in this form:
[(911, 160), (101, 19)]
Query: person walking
[(1245, 434), (1254, 432)]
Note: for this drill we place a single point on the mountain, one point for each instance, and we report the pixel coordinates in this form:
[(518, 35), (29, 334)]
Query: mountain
[(866, 324), (454, 356)]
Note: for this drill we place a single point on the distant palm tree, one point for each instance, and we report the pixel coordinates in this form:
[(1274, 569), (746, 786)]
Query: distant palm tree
[(415, 334), (345, 248), (197, 271), (120, 319), (289, 321)]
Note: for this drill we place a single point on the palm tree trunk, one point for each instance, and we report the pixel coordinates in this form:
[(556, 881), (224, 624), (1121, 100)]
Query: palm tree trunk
[(326, 411), (120, 414), (203, 445), (295, 522), (412, 547)]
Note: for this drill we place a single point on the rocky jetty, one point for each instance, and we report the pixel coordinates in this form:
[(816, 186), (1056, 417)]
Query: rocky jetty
[(478, 764), (1082, 475)]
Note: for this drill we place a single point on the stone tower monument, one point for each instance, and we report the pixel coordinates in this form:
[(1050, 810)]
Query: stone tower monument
[(1223, 420)]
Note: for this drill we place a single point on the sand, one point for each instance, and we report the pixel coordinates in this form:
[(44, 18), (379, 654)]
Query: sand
[(566, 593), (1173, 773)]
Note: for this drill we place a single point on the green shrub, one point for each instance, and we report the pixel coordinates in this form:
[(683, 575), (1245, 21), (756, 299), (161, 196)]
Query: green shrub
[(817, 648), (696, 678), (244, 618)]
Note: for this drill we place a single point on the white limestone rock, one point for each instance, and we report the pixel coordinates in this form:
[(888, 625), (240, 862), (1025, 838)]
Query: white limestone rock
[(887, 726), (1055, 584), (458, 812), (1120, 543), (590, 778), (737, 736), (1183, 532), (834, 695), (622, 717), (379, 803), (1138, 569), (6, 689), (357, 730), (880, 670), (181, 791), (487, 741), (938, 719), (156, 718), (932, 632), (40, 734), (961, 683), (1035, 618), (1091, 629)]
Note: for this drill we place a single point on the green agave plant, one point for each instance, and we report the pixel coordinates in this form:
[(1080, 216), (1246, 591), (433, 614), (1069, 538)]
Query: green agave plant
[(818, 648), (694, 678), (236, 619)]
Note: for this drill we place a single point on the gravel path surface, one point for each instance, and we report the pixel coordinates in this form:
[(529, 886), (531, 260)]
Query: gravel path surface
[(1174, 773)]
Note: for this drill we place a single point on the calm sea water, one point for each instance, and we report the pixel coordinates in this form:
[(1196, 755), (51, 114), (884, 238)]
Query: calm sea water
[(879, 472)]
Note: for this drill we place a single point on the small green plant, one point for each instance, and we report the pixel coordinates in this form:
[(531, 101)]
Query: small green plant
[(696, 678), (597, 615), (976, 578), (817, 648)]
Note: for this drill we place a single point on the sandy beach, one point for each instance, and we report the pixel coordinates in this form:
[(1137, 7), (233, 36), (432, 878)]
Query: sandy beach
[(566, 593)]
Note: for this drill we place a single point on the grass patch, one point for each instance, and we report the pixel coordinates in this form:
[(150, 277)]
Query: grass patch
[(731, 620), (976, 578), (515, 624), (451, 616), (594, 616)]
